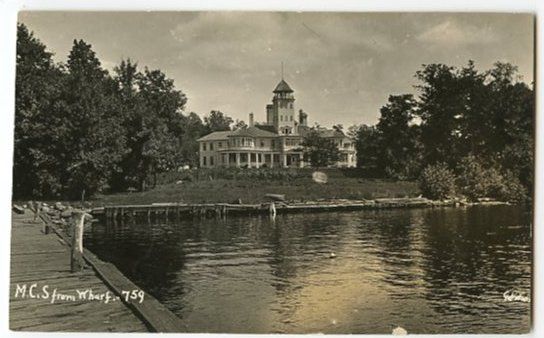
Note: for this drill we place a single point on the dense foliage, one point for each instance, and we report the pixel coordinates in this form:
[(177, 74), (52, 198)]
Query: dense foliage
[(437, 181), (80, 130), (479, 124), (319, 151)]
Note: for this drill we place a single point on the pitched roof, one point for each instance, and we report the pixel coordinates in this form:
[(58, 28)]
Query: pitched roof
[(283, 87), (216, 136), (253, 132), (267, 127)]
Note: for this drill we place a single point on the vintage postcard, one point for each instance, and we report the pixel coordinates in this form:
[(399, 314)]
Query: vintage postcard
[(273, 172)]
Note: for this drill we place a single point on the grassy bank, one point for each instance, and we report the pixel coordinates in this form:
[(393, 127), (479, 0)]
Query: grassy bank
[(297, 187)]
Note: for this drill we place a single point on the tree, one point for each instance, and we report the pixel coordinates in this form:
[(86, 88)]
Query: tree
[(338, 127), (367, 145), (154, 124), (439, 109), (239, 124), (94, 142), (319, 151), (38, 122), (398, 138), (459, 113), (163, 126), (513, 104), (193, 129), (79, 129), (217, 121)]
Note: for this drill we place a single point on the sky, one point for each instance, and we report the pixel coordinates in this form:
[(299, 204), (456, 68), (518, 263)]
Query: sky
[(342, 66)]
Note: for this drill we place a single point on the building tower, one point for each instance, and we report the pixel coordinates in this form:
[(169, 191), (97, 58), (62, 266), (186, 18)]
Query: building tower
[(281, 113)]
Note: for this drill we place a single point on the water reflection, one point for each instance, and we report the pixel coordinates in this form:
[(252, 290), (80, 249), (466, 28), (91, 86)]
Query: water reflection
[(428, 270)]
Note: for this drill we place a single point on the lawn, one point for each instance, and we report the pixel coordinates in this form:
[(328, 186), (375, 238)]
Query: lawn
[(253, 190)]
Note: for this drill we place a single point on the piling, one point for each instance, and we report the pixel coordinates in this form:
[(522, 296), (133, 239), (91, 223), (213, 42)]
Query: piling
[(37, 209), (272, 210), (77, 262)]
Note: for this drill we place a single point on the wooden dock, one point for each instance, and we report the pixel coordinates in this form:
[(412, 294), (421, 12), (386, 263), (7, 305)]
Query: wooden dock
[(44, 292)]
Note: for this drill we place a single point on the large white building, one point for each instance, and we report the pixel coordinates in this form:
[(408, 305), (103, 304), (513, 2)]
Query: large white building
[(277, 143)]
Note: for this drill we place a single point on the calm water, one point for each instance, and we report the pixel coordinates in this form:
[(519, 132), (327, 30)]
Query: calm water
[(427, 270)]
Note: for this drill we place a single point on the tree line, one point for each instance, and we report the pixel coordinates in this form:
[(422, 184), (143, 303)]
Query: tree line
[(80, 130), (467, 132)]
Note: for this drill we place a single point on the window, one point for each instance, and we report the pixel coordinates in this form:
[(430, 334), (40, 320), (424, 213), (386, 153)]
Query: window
[(204, 146), (291, 118), (211, 145), (291, 142), (291, 105), (281, 118), (262, 143), (211, 160), (204, 161), (220, 144)]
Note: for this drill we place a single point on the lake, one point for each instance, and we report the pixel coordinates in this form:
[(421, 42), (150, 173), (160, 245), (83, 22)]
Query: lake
[(440, 270)]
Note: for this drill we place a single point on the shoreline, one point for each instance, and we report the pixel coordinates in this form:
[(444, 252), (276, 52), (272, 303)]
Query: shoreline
[(221, 210), (60, 214)]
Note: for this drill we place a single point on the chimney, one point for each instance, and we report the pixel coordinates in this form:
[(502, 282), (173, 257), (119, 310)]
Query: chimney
[(251, 123), (302, 118)]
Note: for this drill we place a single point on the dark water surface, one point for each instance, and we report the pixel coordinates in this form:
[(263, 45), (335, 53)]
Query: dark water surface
[(427, 270)]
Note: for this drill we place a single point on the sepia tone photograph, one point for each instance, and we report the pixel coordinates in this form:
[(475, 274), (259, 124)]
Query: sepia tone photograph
[(273, 172)]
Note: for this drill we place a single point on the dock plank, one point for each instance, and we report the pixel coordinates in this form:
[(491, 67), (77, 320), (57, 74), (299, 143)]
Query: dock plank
[(45, 260)]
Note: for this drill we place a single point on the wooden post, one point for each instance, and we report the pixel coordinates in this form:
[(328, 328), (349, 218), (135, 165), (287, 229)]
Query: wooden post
[(76, 262), (82, 198), (37, 209), (46, 228), (272, 210)]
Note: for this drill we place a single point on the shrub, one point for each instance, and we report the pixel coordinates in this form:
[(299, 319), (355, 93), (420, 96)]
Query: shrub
[(475, 181), (511, 189), (437, 182)]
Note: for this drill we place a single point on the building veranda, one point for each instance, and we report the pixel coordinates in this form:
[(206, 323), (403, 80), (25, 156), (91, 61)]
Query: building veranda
[(276, 143)]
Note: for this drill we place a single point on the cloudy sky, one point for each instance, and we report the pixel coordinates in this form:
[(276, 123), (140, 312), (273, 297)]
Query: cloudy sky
[(342, 66)]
